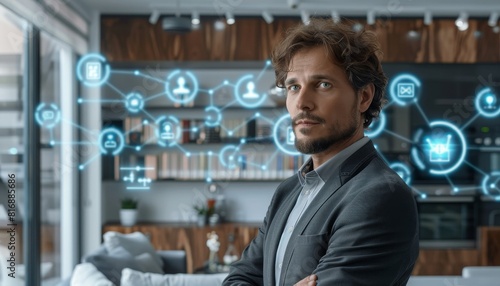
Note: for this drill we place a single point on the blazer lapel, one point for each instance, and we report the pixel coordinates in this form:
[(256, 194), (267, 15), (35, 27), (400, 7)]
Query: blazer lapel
[(277, 225)]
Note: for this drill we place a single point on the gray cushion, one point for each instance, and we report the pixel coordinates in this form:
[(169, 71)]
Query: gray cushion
[(136, 278), (136, 243)]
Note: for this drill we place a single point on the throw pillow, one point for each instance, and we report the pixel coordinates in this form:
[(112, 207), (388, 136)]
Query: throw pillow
[(135, 278), (87, 274), (147, 263), (136, 243), (112, 264)]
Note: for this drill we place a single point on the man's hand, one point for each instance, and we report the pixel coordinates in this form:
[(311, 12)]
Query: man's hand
[(308, 281)]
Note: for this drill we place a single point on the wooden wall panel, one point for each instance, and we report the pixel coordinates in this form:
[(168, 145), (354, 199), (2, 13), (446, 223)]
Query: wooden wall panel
[(252, 39), (445, 261)]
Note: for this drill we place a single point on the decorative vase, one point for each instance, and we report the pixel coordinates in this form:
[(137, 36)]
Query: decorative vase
[(128, 217), (201, 220)]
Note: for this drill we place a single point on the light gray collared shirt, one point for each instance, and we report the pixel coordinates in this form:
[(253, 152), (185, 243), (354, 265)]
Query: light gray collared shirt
[(312, 181)]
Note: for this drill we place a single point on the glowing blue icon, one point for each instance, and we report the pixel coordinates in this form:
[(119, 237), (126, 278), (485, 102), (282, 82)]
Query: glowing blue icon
[(491, 185), (290, 138), (93, 71), (48, 115), (486, 103), (130, 178), (403, 171), (144, 181), (134, 102), (440, 152), (490, 99), (377, 126), (110, 142), (250, 94), (406, 90), (167, 132), (181, 87)]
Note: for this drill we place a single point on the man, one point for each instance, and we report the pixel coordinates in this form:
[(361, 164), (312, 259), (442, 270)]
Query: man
[(346, 218)]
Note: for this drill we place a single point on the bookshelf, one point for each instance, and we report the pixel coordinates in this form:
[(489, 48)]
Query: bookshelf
[(214, 132)]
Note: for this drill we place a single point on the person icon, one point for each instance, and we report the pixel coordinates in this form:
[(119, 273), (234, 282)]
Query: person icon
[(490, 101), (250, 91), (167, 132), (181, 88), (110, 142)]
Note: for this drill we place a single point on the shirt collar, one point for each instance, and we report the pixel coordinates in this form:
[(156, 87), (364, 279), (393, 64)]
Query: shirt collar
[(324, 171)]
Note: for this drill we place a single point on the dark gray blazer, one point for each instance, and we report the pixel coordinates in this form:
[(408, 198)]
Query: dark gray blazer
[(361, 229)]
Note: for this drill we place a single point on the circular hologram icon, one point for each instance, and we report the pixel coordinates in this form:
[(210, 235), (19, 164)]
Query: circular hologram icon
[(405, 89), (93, 70), (134, 102), (213, 116), (181, 86), (491, 185), (377, 126), (247, 93), (403, 171), (440, 149), (47, 115), (168, 131), (229, 157), (111, 141), (487, 103), (284, 137)]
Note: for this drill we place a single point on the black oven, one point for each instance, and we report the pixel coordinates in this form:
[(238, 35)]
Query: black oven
[(448, 221)]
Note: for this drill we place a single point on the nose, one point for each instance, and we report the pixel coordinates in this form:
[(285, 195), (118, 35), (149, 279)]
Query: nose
[(304, 100)]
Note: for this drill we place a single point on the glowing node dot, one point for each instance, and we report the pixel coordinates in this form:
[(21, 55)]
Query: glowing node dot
[(492, 185), (145, 122), (136, 72), (257, 114), (263, 168), (194, 129), (423, 196), (80, 100), (243, 141), (80, 167), (211, 92), (455, 189), (226, 82), (188, 154), (209, 180), (210, 153), (138, 148), (137, 168), (268, 62), (230, 133), (52, 143)]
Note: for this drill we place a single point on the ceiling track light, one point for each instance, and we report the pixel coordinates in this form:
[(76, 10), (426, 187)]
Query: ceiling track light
[(462, 22), (195, 18), (370, 17), (335, 17), (229, 18), (306, 18), (428, 18), (492, 21), (153, 19), (267, 17)]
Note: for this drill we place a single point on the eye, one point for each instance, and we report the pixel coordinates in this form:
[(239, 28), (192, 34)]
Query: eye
[(293, 87), (324, 85)]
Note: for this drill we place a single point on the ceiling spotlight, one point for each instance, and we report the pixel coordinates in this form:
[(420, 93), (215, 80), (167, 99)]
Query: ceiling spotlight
[(462, 22), (428, 18), (267, 17), (335, 17), (492, 21), (154, 17), (370, 17), (219, 25), (195, 18), (229, 18), (293, 4), (306, 18)]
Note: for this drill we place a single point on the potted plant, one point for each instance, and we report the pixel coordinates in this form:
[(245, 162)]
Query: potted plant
[(128, 211), (201, 212)]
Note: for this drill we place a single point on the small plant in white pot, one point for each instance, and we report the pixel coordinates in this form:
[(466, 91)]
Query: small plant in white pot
[(128, 212)]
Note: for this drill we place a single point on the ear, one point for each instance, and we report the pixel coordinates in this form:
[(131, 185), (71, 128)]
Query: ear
[(365, 97)]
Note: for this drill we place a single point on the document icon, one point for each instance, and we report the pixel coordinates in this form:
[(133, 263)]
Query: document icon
[(406, 90), (93, 71)]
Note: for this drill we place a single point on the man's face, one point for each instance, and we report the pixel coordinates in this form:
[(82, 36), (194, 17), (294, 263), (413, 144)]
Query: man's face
[(325, 109)]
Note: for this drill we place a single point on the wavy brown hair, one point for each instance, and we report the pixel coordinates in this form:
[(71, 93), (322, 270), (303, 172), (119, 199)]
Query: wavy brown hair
[(357, 52)]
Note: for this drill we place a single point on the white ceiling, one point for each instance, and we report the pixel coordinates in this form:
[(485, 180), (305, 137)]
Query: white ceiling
[(382, 8)]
